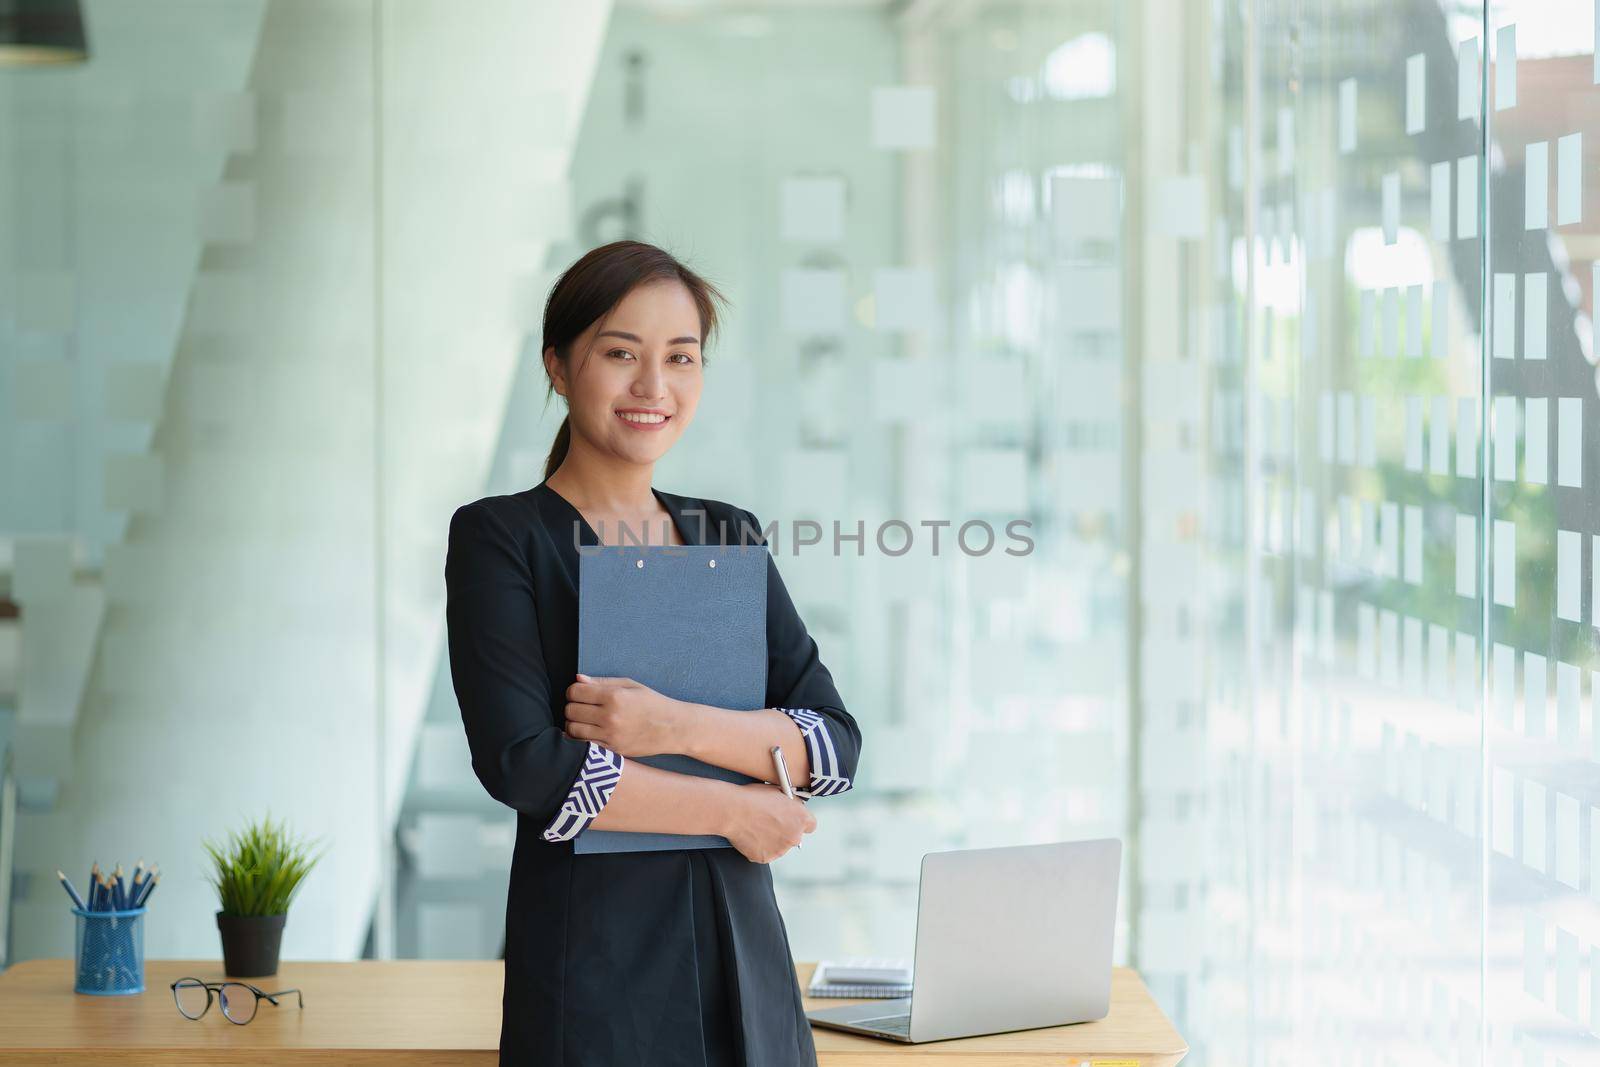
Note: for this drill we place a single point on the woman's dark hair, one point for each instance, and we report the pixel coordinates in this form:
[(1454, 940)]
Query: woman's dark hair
[(593, 286)]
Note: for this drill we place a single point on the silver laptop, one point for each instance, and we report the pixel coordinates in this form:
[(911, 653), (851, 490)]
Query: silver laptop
[(1007, 939)]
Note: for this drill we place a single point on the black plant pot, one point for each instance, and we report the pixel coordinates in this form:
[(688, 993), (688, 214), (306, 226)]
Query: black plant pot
[(250, 944)]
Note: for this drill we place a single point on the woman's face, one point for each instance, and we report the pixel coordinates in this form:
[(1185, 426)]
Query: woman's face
[(633, 379)]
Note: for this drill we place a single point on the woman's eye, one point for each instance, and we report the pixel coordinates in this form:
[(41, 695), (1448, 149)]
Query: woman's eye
[(687, 358)]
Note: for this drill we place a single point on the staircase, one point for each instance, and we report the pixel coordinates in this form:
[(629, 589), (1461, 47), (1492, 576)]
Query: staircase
[(234, 604)]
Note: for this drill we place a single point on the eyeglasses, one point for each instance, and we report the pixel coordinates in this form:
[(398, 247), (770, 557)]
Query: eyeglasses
[(239, 999)]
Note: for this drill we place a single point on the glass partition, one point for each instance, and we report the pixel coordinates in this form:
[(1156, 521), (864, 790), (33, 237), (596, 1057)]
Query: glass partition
[(1543, 923), (186, 464)]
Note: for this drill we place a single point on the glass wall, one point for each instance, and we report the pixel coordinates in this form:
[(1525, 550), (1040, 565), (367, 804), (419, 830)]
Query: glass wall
[(1359, 272), (1542, 596), (1398, 529), (188, 458)]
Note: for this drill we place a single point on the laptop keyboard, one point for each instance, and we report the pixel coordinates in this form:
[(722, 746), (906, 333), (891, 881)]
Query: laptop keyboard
[(899, 1025)]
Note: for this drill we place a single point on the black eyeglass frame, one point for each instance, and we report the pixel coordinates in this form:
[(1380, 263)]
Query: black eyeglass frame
[(216, 988)]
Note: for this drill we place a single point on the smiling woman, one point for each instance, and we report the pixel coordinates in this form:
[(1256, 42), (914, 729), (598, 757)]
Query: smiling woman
[(677, 955), (632, 323)]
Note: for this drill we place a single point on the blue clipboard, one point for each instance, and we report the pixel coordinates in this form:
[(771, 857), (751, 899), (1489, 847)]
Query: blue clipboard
[(689, 621)]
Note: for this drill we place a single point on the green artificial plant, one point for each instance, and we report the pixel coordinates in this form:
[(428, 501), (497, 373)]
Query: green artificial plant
[(257, 872)]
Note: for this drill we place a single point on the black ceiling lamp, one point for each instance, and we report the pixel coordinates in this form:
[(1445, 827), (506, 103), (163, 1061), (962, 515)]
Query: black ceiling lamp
[(41, 32)]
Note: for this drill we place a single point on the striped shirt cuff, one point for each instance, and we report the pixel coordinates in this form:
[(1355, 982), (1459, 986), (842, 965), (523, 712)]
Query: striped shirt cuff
[(602, 769), (825, 777)]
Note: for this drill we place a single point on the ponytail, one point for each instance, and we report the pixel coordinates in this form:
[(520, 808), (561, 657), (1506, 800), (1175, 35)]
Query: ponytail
[(558, 448)]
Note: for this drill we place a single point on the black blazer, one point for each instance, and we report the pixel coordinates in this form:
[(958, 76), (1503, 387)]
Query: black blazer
[(511, 575)]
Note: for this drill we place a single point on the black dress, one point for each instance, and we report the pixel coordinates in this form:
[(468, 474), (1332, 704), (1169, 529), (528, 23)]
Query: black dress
[(616, 959)]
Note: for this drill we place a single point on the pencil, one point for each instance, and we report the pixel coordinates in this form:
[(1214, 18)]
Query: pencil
[(72, 891)]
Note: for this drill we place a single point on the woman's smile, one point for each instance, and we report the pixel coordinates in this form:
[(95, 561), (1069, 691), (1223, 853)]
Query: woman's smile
[(646, 419)]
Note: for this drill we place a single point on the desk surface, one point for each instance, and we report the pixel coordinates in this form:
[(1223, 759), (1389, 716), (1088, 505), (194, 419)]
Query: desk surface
[(448, 1012)]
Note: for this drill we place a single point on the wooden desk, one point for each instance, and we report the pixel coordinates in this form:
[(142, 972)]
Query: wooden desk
[(440, 1012), (1135, 1034)]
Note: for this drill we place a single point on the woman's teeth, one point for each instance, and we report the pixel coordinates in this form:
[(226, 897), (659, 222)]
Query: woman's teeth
[(637, 417)]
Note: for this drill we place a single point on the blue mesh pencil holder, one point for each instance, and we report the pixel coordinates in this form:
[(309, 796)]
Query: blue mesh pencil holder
[(110, 952)]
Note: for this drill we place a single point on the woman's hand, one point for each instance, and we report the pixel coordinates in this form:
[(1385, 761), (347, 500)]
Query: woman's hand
[(763, 823), (628, 718)]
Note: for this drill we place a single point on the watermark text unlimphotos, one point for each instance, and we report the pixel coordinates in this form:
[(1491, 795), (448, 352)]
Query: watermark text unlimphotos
[(891, 537)]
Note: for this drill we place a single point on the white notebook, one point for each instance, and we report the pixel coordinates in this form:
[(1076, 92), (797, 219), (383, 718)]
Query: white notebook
[(861, 976)]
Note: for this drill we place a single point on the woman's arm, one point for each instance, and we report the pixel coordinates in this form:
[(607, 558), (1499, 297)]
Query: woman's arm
[(619, 715), (800, 687), (756, 818), (616, 794), (742, 741), (498, 671), (650, 799)]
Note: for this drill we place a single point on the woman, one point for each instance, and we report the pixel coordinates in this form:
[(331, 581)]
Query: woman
[(661, 958)]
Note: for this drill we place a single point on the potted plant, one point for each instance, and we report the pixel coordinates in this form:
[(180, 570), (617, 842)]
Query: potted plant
[(256, 873)]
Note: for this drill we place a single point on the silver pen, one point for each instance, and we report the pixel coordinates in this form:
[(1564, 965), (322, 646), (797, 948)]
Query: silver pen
[(783, 774)]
